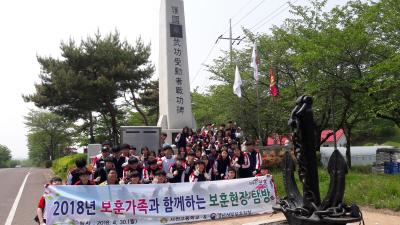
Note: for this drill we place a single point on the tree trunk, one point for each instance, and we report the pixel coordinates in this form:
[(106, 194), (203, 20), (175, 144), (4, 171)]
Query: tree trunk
[(91, 132), (114, 127), (135, 104)]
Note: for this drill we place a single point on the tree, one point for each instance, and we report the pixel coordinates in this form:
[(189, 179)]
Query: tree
[(5, 156), (91, 77), (48, 135)]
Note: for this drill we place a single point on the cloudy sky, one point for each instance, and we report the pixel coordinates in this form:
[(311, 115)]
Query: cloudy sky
[(31, 28)]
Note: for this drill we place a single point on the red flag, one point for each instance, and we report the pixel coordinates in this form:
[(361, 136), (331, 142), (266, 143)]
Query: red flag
[(273, 86)]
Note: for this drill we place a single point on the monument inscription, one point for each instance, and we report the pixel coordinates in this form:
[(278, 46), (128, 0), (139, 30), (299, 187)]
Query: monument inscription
[(174, 87)]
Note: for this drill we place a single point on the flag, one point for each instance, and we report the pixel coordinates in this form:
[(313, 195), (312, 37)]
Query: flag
[(238, 82), (255, 61), (273, 86)]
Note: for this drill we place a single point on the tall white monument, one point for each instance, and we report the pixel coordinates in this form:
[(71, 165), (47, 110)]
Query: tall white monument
[(174, 87)]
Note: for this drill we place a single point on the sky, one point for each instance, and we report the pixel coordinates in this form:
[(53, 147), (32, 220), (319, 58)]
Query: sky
[(36, 28)]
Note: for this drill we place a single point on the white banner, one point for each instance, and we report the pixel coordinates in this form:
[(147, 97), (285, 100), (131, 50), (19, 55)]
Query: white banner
[(158, 203)]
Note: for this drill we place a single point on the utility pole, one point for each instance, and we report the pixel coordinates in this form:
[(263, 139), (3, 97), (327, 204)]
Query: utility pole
[(231, 40)]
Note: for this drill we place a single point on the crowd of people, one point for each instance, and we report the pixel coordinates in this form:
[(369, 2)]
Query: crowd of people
[(207, 154)]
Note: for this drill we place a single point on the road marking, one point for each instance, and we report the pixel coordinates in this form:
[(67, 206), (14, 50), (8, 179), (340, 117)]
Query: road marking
[(11, 215)]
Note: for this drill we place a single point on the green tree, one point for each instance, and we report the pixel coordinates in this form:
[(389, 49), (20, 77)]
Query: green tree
[(91, 77), (5, 156), (48, 135)]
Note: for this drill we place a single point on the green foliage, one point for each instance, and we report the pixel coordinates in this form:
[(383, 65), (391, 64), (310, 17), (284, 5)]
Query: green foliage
[(347, 59), (362, 187), (62, 165), (5, 156), (90, 77), (48, 135)]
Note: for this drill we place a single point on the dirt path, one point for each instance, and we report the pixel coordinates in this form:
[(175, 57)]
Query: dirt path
[(371, 217)]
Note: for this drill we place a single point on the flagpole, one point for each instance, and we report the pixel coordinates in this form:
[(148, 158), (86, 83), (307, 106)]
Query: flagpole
[(258, 112)]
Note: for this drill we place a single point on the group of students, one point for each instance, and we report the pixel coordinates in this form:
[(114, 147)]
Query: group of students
[(119, 165), (205, 155)]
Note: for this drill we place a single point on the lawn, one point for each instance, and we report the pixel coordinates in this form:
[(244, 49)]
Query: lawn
[(362, 187)]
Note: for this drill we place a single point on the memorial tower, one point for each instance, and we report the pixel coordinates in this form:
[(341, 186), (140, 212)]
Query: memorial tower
[(174, 86)]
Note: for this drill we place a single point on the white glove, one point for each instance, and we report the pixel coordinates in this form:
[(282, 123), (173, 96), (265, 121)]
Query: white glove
[(207, 176), (196, 173)]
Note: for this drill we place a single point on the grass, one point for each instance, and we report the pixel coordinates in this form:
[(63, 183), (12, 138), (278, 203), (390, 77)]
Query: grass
[(62, 165), (362, 187)]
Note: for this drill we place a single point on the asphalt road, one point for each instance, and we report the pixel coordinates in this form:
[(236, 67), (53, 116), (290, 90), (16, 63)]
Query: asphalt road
[(10, 184)]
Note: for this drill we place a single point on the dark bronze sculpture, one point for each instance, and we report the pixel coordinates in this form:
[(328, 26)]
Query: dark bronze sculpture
[(307, 209)]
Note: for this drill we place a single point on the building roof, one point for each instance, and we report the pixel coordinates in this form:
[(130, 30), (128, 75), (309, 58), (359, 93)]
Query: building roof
[(354, 150), (282, 138), (339, 134)]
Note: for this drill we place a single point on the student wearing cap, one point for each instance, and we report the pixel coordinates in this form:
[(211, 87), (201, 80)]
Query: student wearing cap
[(200, 173), (150, 170), (40, 216), (84, 179), (99, 159), (80, 166), (100, 175)]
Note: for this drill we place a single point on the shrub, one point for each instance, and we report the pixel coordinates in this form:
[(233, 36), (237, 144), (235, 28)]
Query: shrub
[(62, 165)]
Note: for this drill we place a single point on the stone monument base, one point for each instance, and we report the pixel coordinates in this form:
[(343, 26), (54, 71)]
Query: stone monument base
[(171, 134)]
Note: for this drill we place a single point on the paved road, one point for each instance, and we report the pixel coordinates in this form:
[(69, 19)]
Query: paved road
[(10, 183)]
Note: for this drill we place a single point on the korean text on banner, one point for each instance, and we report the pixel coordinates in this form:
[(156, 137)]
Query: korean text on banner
[(159, 203)]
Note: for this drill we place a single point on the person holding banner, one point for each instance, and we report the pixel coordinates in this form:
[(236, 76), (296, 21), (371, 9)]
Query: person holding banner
[(40, 217)]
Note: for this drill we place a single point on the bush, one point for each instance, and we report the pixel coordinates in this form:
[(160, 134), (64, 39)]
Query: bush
[(48, 164), (62, 165)]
